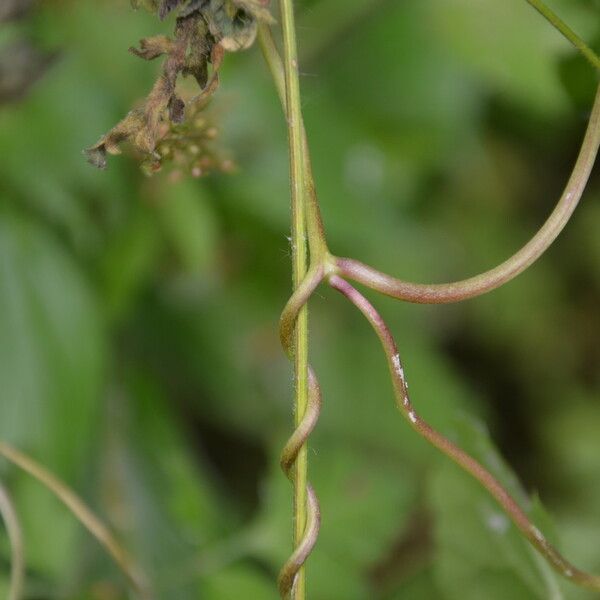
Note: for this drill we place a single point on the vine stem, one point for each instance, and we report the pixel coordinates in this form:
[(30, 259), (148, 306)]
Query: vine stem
[(451, 450), (566, 31), (15, 535), (294, 320), (85, 516), (299, 259), (475, 286)]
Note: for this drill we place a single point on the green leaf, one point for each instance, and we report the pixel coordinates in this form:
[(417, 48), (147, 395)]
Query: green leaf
[(52, 348), (158, 496), (52, 353), (189, 224), (129, 261)]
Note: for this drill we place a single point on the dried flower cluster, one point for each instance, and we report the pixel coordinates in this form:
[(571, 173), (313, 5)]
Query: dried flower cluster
[(165, 125), (187, 147)]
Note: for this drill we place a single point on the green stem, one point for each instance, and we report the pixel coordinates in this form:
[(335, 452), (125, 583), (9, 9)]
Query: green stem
[(316, 232), (299, 258), (561, 26), (85, 516)]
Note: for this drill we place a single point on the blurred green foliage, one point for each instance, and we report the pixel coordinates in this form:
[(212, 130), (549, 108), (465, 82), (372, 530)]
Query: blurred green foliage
[(139, 356)]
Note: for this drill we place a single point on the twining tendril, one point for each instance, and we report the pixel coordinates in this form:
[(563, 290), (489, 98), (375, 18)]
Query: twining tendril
[(459, 456), (15, 536), (289, 571), (85, 516), (299, 439)]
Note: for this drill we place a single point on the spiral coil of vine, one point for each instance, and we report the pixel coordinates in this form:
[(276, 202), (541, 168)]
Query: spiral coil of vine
[(400, 385), (299, 437)]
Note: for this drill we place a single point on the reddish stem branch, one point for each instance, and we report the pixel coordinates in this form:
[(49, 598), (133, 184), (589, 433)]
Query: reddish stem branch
[(464, 460), (494, 278)]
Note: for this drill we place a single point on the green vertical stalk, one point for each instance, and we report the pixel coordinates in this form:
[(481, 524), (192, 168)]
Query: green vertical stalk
[(299, 258), (317, 243)]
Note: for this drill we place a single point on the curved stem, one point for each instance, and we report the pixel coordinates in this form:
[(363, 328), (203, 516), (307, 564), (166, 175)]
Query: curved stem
[(314, 221), (15, 535), (464, 460), (566, 31), (85, 516), (485, 282), (294, 305)]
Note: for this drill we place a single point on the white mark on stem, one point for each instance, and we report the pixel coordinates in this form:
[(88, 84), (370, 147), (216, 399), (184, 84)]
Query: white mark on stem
[(568, 196), (568, 573), (412, 416), (398, 369)]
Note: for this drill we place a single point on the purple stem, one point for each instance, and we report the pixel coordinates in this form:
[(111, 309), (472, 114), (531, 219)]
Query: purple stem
[(459, 456)]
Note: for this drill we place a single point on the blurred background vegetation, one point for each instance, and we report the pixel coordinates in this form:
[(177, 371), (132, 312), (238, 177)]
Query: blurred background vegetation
[(139, 356)]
